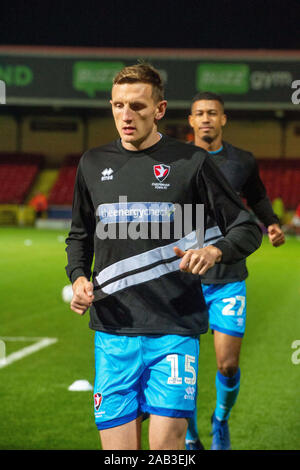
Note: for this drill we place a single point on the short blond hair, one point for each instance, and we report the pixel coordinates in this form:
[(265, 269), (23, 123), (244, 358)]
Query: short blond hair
[(143, 73)]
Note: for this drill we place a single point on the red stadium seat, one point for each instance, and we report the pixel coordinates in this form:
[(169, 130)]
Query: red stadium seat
[(282, 179), (62, 191), (17, 174)]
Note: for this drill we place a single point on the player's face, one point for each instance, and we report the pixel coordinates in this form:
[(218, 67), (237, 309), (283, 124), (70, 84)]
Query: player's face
[(135, 113), (207, 119)]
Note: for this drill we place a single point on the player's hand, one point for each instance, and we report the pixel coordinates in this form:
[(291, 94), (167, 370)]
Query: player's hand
[(198, 261), (276, 235), (82, 295)]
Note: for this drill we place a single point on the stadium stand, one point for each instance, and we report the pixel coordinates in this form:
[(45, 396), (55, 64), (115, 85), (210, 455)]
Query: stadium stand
[(17, 174), (282, 179), (62, 190), (43, 182), (280, 176)]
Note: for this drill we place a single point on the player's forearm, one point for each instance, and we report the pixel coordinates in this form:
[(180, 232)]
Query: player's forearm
[(80, 257), (240, 242), (264, 212), (80, 241)]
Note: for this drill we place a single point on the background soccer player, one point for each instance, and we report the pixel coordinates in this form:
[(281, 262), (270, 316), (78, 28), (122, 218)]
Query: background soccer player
[(224, 286), (146, 306)]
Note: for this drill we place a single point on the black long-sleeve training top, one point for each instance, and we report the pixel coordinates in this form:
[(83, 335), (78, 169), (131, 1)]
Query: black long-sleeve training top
[(126, 215)]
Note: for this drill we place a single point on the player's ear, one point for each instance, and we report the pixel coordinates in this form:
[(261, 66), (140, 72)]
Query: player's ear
[(191, 120), (160, 109), (224, 120)]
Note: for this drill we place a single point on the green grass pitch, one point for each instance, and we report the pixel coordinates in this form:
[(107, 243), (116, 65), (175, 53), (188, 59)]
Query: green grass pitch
[(38, 412)]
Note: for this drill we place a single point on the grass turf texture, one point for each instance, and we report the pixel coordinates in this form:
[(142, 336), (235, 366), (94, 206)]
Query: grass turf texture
[(38, 412)]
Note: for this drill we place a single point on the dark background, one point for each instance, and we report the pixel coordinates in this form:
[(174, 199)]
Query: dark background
[(202, 24)]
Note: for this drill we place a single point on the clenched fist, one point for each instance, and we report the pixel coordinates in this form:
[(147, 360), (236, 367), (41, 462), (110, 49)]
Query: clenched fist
[(82, 295), (276, 235)]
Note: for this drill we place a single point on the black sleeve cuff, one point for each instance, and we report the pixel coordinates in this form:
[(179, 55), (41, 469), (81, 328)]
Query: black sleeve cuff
[(76, 273), (227, 254)]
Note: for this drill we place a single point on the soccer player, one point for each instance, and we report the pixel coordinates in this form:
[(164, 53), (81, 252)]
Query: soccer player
[(224, 286), (145, 303)]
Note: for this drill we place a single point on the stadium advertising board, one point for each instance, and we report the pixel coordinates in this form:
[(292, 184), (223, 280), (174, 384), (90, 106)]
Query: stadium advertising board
[(84, 78)]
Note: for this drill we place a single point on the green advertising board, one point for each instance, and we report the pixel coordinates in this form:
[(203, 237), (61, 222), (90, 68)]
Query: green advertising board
[(223, 78), (64, 78), (91, 77)]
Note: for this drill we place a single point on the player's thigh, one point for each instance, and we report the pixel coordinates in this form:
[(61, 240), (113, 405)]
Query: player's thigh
[(124, 437), (119, 366), (167, 433), (227, 350)]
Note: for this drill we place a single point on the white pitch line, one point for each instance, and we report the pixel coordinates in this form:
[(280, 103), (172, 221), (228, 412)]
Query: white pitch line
[(21, 338), (17, 355)]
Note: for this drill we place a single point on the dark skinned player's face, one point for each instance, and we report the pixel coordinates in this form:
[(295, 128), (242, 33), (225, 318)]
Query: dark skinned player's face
[(207, 120)]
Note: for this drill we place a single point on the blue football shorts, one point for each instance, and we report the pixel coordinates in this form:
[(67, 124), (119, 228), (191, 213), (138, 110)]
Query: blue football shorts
[(144, 374), (226, 307)]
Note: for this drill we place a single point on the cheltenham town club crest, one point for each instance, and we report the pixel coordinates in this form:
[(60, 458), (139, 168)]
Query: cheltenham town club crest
[(97, 400), (161, 172)]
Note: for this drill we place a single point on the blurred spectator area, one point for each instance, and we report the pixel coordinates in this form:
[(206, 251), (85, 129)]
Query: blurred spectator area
[(18, 172), (40, 153), (62, 190), (281, 178)]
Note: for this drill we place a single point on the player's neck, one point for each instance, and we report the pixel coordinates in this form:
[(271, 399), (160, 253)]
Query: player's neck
[(213, 146), (151, 140)]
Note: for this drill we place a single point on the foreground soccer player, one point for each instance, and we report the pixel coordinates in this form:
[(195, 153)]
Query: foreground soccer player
[(145, 302), (224, 286)]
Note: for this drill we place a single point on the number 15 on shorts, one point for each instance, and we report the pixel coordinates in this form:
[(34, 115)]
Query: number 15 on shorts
[(174, 377)]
